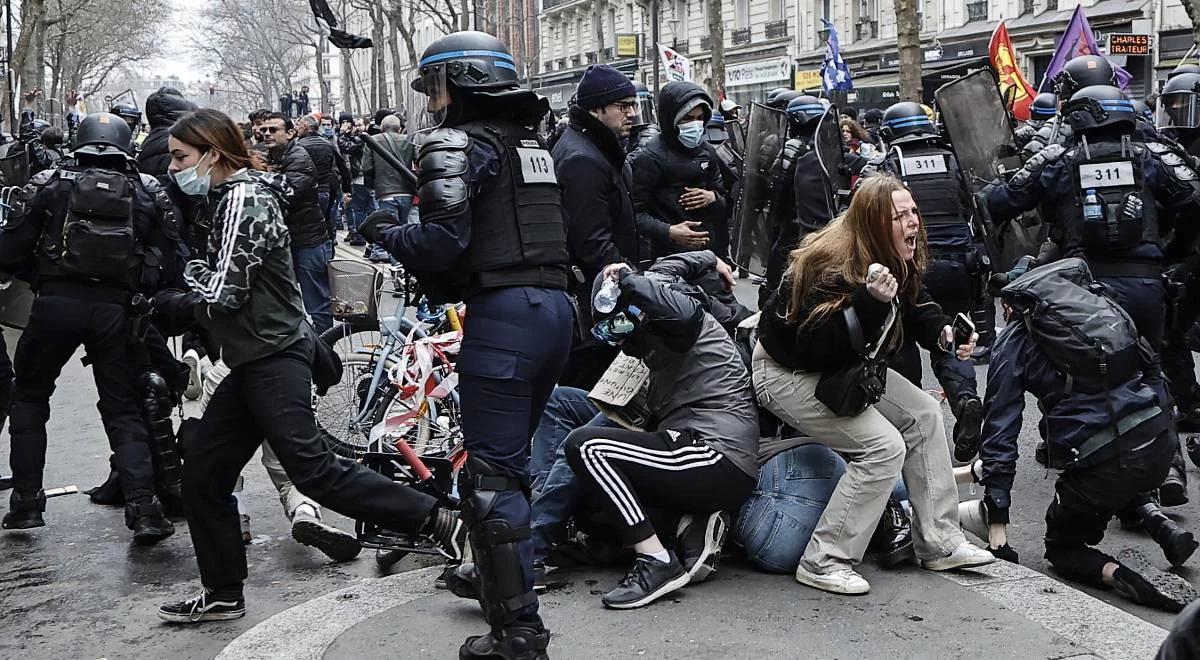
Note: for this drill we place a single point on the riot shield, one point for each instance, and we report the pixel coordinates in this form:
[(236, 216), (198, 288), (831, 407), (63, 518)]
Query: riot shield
[(978, 127), (753, 234), (981, 135), (14, 167), (15, 303), (827, 142)]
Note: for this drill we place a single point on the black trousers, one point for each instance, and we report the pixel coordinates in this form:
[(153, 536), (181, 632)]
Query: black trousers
[(7, 375), (1087, 497), (631, 471), (270, 399), (57, 326)]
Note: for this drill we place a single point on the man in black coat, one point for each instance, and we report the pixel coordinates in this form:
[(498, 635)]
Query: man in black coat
[(327, 162), (162, 109), (312, 247), (595, 179), (678, 194)]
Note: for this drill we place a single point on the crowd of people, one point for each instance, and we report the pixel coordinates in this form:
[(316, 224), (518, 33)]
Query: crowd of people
[(609, 247)]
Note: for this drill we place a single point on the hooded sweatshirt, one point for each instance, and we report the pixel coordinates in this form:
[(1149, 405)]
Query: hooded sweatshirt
[(163, 108), (664, 167)]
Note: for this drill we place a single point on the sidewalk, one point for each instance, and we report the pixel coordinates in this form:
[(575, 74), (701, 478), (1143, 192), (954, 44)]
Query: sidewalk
[(1003, 611)]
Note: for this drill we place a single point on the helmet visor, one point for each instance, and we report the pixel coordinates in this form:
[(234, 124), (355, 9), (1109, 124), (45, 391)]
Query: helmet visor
[(1178, 110), (645, 110), (433, 84)]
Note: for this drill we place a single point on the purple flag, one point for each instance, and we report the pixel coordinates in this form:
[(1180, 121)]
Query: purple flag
[(1076, 41)]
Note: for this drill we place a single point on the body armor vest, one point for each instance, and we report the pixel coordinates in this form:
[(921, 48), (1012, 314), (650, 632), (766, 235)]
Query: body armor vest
[(1111, 211), (931, 174)]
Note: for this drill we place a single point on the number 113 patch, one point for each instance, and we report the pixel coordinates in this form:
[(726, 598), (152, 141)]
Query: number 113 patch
[(536, 166)]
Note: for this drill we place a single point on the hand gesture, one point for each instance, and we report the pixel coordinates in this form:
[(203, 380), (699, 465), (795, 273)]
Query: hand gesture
[(685, 235), (726, 274), (696, 198), (964, 351), (884, 287)]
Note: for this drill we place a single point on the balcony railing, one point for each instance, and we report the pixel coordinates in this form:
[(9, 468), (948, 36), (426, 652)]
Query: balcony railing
[(575, 61), (977, 11), (706, 42), (741, 36), (776, 29), (1028, 6), (550, 4), (609, 53), (867, 30), (1051, 5)]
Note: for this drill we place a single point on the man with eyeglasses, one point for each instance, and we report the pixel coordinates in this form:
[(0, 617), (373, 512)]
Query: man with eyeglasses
[(311, 247), (590, 163)]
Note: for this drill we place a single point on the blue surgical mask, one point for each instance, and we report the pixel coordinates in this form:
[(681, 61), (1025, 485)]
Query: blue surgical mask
[(327, 131), (191, 183), (691, 133)]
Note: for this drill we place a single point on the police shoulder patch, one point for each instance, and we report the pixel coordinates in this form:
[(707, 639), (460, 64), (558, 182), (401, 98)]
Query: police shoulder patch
[(446, 138)]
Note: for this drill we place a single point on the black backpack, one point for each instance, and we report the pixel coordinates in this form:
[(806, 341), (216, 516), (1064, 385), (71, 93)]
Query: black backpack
[(97, 240), (1090, 339)]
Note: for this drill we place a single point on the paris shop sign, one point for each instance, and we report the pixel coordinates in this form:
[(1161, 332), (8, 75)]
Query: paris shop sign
[(757, 73)]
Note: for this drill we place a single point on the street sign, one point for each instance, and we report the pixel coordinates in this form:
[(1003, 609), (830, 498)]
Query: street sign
[(628, 45), (1128, 44)]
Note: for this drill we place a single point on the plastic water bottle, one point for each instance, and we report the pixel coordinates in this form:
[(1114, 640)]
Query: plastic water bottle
[(606, 298), (1093, 210)]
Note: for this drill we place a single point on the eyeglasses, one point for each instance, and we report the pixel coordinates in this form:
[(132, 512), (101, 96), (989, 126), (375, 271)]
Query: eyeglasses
[(271, 129), (626, 106)]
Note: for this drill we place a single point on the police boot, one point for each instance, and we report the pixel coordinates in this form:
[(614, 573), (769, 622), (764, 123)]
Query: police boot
[(968, 427), (25, 511), (1177, 543), (1173, 491), (490, 498), (144, 515), (164, 456), (1140, 581), (108, 493), (893, 536)]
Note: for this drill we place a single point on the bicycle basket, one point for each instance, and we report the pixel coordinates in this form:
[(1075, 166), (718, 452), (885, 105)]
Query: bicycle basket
[(353, 289)]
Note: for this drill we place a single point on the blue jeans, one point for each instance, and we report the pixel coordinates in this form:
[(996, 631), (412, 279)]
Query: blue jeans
[(775, 524), (556, 488), (362, 202), (310, 265), (401, 205)]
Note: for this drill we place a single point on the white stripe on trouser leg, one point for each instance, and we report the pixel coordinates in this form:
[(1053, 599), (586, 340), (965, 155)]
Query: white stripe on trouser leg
[(597, 452), (599, 448)]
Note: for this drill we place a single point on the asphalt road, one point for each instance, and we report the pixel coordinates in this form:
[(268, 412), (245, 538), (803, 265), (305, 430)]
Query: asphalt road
[(79, 588)]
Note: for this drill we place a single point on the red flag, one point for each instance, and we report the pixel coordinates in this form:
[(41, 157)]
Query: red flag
[(1013, 87)]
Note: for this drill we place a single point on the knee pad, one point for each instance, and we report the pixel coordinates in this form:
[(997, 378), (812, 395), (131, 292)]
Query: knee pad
[(495, 540)]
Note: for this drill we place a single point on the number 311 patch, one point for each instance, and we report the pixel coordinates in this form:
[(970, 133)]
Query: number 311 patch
[(536, 166), (1106, 175)]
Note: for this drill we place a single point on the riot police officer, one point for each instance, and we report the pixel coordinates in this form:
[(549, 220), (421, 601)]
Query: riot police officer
[(99, 235), (1107, 190), (957, 269), (645, 124), (133, 117), (779, 99), (491, 234), (798, 189), (1043, 109)]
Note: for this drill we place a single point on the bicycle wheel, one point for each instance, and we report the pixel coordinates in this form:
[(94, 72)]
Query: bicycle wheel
[(337, 410), (355, 336)]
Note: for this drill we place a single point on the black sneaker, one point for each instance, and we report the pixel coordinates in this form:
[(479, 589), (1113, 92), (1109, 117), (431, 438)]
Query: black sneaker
[(309, 529), (968, 427), (1173, 491), (700, 541), (204, 607), (647, 580), (449, 533), (1138, 580)]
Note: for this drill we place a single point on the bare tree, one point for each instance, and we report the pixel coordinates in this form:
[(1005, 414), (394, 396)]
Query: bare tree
[(256, 66), (908, 38), (1192, 7), (88, 40)]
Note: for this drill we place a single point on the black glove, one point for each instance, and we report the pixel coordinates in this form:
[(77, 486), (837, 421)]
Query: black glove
[(176, 308), (378, 222)]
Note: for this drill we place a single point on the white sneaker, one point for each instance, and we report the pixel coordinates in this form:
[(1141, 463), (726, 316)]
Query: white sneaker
[(840, 581), (964, 556), (195, 379)]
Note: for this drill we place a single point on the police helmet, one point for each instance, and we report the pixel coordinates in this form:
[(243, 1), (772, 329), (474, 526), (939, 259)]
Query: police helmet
[(1187, 67), (466, 60), (905, 119), (1084, 71), (1098, 106), (804, 110), (1142, 110), (126, 112), (102, 134), (1178, 105), (715, 131), (1045, 106), (773, 95), (780, 98)]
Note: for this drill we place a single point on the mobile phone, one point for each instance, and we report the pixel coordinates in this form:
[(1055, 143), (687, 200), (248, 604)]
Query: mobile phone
[(963, 329)]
